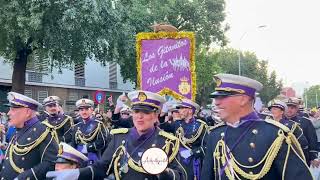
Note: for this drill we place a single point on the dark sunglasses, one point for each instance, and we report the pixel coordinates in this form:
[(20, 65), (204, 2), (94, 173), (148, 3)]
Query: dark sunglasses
[(51, 105), (125, 114)]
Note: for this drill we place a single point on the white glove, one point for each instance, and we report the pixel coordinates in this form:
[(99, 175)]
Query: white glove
[(70, 174), (165, 108), (119, 103)]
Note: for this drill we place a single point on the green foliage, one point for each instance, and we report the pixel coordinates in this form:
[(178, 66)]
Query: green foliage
[(311, 96), (68, 32), (251, 67), (65, 32), (204, 18), (206, 68), (272, 88)]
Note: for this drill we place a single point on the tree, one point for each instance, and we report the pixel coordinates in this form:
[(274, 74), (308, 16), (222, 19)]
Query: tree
[(206, 68), (68, 32), (64, 32), (204, 18), (272, 88), (311, 96), (251, 67)]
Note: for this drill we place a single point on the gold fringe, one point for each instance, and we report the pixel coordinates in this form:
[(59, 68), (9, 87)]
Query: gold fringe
[(168, 35)]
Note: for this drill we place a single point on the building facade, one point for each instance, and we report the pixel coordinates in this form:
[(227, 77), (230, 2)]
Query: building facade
[(70, 84)]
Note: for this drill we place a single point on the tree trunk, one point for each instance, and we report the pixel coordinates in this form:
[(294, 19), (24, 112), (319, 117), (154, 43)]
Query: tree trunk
[(19, 71)]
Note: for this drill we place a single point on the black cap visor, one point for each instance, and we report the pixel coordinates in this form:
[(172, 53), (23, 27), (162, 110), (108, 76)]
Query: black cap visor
[(292, 104), (144, 108), (276, 106), (13, 105), (222, 93), (84, 107), (50, 103)]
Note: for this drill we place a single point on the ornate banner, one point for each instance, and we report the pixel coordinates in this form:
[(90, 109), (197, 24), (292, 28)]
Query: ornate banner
[(165, 63)]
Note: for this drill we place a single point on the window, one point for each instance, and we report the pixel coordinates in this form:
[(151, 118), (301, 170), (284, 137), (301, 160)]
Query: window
[(36, 68), (79, 75), (80, 81), (34, 77), (73, 96), (28, 92), (71, 102), (42, 95), (113, 76), (113, 85), (38, 65)]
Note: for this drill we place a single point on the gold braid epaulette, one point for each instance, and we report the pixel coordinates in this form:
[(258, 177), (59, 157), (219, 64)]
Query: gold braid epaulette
[(22, 150), (84, 139), (290, 135), (278, 124), (119, 131), (175, 145)]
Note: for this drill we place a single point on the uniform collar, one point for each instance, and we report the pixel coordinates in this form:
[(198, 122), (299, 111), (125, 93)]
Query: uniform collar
[(88, 119), (294, 117), (191, 120), (253, 116), (135, 135), (284, 120), (55, 116), (30, 122)]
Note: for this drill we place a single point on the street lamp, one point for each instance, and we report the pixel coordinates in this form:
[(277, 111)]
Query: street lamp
[(239, 52)]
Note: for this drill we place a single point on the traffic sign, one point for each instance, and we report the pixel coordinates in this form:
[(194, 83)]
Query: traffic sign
[(99, 97)]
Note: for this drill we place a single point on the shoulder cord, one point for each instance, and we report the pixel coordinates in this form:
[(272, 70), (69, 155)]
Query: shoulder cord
[(58, 126), (184, 140), (23, 150), (267, 159), (83, 139)]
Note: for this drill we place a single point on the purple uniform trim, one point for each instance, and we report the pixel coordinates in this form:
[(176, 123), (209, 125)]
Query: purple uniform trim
[(247, 90), (31, 121), (28, 104), (184, 104), (71, 157), (155, 102)]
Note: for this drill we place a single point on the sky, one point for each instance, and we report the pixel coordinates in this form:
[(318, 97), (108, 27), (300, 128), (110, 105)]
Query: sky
[(290, 40)]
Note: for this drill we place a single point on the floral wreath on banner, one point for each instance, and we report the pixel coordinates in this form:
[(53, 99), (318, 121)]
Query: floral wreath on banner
[(168, 35)]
